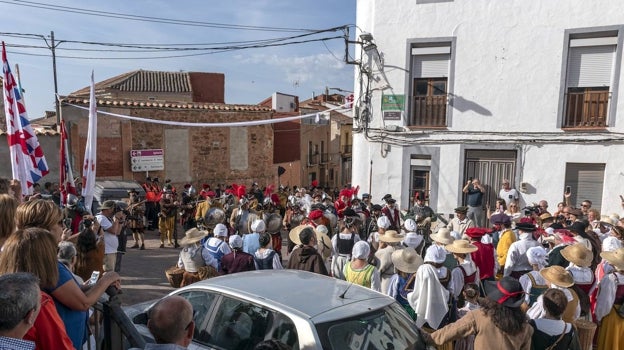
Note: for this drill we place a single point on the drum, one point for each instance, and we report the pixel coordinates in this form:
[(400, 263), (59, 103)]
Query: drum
[(174, 276), (586, 330), (213, 217)]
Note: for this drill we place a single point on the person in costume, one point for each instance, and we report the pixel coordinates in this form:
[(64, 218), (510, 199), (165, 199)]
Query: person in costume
[(359, 271), (609, 300), (406, 262)]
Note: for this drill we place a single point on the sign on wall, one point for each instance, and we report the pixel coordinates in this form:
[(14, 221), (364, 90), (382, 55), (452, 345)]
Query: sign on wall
[(147, 160), (392, 102)]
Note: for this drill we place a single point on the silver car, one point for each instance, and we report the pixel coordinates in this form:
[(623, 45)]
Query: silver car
[(301, 309)]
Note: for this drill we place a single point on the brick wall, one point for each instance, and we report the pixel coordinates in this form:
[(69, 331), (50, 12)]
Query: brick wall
[(208, 150)]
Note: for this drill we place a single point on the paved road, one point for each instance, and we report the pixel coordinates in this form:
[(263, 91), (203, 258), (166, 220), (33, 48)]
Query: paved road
[(143, 271)]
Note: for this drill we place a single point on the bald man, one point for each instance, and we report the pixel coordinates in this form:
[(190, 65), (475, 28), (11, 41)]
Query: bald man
[(171, 323)]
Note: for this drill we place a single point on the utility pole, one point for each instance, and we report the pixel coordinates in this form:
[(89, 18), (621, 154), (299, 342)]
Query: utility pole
[(56, 100)]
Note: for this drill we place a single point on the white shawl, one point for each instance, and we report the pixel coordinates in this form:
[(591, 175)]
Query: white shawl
[(429, 298)]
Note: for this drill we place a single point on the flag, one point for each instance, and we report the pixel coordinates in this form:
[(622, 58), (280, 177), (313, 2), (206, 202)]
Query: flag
[(88, 168), (66, 178), (27, 160), (349, 99)]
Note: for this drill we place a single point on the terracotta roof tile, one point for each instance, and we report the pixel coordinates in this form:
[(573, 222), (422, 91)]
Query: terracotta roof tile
[(174, 105)]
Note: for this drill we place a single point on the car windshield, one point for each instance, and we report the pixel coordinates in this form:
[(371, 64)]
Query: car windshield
[(387, 328)]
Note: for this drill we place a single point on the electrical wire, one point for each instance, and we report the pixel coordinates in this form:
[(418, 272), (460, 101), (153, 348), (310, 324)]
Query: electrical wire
[(162, 20)]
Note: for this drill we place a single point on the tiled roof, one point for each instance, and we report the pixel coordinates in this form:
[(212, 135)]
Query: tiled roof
[(148, 81), (38, 132), (144, 81), (159, 104)]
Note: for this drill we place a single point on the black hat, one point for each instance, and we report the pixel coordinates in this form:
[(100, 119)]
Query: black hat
[(578, 227), (155, 179), (388, 198), (461, 210), (148, 179), (526, 226), (507, 292), (376, 207), (349, 212)]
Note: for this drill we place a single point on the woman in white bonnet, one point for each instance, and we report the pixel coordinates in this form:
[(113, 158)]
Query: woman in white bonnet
[(359, 271), (412, 238), (382, 225), (532, 282)]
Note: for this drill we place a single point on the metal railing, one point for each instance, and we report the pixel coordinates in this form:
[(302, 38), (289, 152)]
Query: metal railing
[(113, 330), (586, 109), (313, 159), (347, 149), (429, 111), (324, 157)]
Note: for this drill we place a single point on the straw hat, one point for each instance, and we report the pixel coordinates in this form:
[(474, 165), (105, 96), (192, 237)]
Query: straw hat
[(443, 236), (615, 258), (461, 246), (558, 276), (406, 260), (193, 236), (321, 237), (391, 236), (578, 254)]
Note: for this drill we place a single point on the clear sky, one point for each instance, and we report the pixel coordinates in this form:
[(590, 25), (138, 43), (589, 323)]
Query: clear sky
[(251, 74)]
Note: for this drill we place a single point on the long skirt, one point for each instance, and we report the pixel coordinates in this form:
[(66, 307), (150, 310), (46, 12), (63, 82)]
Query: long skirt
[(611, 331)]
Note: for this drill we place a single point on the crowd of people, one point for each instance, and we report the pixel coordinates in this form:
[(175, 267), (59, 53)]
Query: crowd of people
[(532, 279)]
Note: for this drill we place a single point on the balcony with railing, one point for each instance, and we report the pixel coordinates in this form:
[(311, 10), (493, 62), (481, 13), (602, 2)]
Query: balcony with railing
[(313, 159), (587, 108), (324, 158), (346, 149), (429, 111)]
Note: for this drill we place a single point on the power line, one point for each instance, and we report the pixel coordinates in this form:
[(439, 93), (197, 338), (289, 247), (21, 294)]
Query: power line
[(213, 51), (162, 20)]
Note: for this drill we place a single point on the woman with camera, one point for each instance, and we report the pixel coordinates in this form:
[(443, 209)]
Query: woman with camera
[(90, 249)]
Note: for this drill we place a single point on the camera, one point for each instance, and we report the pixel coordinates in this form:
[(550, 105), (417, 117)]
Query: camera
[(87, 222), (528, 210)]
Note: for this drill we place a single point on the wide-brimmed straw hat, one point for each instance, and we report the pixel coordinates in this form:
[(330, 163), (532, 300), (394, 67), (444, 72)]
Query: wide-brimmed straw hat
[(578, 254), (461, 246), (406, 260), (558, 276), (615, 258), (443, 236), (193, 236), (321, 237), (391, 236), (507, 292)]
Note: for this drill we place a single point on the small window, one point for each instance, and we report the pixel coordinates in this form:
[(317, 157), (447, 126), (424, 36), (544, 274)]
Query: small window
[(241, 325), (590, 67), (201, 302)]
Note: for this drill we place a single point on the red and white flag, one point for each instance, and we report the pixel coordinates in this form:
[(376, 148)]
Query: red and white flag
[(66, 179), (88, 168), (27, 160)]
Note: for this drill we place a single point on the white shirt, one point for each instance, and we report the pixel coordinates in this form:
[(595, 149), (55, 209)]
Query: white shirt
[(516, 255), (456, 284), (606, 294), (537, 310), (111, 243), (460, 226), (526, 284), (508, 196)]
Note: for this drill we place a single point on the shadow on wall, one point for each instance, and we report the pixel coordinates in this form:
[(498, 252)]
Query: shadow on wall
[(461, 104)]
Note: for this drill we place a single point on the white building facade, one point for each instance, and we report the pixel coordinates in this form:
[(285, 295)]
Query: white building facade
[(527, 90)]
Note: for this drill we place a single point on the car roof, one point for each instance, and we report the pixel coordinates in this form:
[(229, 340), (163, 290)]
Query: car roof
[(303, 292)]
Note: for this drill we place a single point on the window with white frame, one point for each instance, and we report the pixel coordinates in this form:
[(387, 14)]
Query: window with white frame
[(589, 79), (430, 72)]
